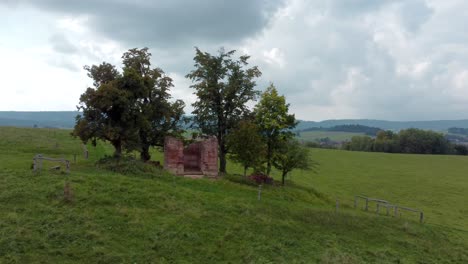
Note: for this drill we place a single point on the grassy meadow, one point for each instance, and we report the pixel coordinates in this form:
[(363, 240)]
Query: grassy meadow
[(154, 217)]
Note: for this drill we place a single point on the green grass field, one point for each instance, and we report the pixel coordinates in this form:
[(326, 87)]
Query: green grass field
[(332, 135), (159, 218)]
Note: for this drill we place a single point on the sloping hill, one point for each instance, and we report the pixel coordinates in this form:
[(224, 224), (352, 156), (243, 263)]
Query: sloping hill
[(155, 217)]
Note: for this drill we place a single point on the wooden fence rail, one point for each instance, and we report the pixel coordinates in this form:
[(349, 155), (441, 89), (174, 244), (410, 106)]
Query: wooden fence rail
[(387, 205), (37, 162)]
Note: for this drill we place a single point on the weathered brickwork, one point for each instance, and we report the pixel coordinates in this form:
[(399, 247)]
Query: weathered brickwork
[(209, 157), (174, 155), (200, 157)]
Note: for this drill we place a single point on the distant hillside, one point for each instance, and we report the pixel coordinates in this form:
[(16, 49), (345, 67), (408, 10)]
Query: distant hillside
[(370, 131), (437, 125), (59, 119), (66, 119)]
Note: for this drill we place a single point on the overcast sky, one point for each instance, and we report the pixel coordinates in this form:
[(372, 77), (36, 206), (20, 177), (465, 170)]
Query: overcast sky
[(332, 59)]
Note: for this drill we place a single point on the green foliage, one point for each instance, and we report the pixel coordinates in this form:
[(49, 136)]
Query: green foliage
[(461, 149), (246, 145), (423, 142), (129, 166), (274, 121), (223, 87), (158, 116), (290, 155), (411, 140), (132, 109), (107, 112)]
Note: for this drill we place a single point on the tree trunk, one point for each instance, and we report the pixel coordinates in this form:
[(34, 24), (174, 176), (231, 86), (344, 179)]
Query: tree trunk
[(222, 154), (283, 176), (144, 154), (269, 154), (222, 163), (118, 148)]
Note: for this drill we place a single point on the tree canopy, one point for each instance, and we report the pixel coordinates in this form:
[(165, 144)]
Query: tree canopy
[(223, 86), (132, 110), (274, 121), (246, 145), (290, 155)]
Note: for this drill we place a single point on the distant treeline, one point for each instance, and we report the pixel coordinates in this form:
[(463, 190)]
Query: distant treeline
[(458, 130), (411, 140), (370, 131)]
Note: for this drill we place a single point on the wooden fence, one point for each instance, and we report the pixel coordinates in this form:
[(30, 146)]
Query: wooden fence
[(387, 205), (37, 163)]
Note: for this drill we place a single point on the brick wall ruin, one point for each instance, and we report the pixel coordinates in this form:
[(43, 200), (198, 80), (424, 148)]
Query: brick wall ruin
[(200, 157)]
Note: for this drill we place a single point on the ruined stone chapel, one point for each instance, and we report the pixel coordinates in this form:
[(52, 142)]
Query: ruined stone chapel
[(200, 158)]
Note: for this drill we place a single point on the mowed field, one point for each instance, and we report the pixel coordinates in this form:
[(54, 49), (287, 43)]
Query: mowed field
[(332, 135), (155, 217)]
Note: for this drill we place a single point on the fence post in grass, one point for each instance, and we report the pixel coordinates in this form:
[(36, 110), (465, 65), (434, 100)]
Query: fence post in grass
[(34, 165), (378, 207), (387, 210), (421, 217), (67, 166), (367, 204), (85, 151), (259, 192)]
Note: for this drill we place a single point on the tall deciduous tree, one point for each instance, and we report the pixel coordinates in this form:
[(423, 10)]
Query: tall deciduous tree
[(274, 121), (131, 110), (223, 87), (290, 155), (106, 113), (246, 145), (159, 116)]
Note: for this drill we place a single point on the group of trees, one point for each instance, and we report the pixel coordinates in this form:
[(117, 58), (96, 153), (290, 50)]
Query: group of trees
[(133, 110), (411, 140), (266, 137), (458, 130)]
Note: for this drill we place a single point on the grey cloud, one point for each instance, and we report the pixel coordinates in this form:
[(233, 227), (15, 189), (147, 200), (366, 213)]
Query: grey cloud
[(61, 44), (64, 63), (168, 23)]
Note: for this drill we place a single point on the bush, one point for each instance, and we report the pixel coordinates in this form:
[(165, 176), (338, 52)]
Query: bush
[(128, 166), (261, 178), (461, 149)]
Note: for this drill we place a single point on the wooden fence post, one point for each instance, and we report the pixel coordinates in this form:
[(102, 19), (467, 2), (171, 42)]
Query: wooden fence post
[(34, 164), (259, 192), (421, 217)]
